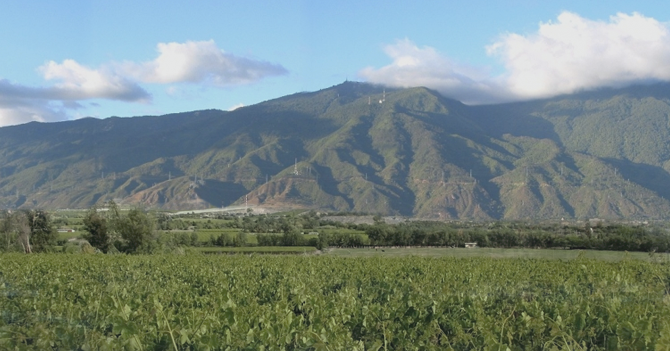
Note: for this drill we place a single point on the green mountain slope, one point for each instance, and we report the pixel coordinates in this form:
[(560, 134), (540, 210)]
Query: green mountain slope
[(359, 147)]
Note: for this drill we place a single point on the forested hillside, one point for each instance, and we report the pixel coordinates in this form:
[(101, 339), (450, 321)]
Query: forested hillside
[(359, 147)]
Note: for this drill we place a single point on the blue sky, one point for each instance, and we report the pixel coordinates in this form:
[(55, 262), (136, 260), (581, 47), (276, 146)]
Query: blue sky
[(67, 60)]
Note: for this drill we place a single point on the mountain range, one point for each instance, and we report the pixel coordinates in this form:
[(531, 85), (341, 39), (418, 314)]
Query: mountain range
[(365, 148)]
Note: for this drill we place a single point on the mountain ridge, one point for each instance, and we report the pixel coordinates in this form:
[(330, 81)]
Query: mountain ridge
[(362, 147)]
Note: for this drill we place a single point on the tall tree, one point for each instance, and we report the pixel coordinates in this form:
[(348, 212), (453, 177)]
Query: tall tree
[(96, 227), (22, 230), (42, 232), (16, 231), (6, 230), (137, 229)]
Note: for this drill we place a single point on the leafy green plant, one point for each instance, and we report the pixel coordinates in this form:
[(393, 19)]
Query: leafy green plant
[(318, 302)]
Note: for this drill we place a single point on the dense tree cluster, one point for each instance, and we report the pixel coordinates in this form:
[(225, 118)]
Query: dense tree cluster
[(109, 229), (238, 240), (507, 235), (27, 231)]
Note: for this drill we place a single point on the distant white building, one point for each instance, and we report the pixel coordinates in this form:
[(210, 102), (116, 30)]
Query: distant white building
[(470, 245)]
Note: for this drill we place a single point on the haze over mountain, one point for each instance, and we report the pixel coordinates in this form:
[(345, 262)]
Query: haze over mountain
[(361, 147)]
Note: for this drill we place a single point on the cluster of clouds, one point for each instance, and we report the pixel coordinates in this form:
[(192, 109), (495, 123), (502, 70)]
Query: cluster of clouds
[(568, 55), (563, 56), (196, 62)]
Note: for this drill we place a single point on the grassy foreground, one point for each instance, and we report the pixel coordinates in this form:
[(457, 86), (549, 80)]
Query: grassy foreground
[(217, 302)]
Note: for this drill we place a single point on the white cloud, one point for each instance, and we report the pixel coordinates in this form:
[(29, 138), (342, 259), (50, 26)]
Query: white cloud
[(18, 115), (235, 107), (415, 66), (21, 104), (565, 56), (79, 83), (200, 62), (17, 111), (190, 62), (576, 53)]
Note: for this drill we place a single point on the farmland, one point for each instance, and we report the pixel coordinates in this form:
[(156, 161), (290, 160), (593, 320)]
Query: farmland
[(612, 256), (105, 302), (301, 281), (258, 250)]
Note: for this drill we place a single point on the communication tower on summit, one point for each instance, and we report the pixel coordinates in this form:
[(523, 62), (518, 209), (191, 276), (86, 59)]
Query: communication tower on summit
[(295, 167), (383, 97)]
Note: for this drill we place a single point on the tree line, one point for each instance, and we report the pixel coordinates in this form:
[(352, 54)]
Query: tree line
[(110, 230), (616, 237)]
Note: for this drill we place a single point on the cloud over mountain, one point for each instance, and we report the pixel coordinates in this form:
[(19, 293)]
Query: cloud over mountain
[(200, 62), (576, 53), (21, 104), (17, 110), (568, 55), (424, 66), (77, 82)]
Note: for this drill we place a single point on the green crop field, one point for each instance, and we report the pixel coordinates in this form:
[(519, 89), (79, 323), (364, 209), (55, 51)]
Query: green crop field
[(499, 253), (340, 230), (204, 235), (66, 236), (242, 302), (259, 249)]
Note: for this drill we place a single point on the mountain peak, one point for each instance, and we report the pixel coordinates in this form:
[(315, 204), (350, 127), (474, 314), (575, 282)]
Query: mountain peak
[(361, 147)]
